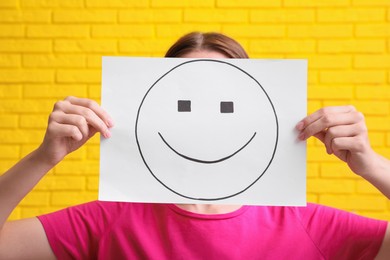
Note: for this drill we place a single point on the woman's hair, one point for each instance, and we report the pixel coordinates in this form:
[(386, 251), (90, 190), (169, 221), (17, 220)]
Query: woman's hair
[(197, 41)]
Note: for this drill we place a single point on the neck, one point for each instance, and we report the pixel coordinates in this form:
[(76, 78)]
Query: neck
[(209, 208)]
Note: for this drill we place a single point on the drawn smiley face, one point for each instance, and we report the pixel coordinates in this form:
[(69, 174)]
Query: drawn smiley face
[(207, 130)]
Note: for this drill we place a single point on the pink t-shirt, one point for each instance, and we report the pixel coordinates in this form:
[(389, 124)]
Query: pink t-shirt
[(114, 230)]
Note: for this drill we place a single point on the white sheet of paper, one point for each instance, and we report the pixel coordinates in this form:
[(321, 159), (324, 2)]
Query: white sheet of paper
[(204, 131)]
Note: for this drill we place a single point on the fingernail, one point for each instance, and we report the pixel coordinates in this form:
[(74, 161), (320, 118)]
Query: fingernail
[(107, 134), (299, 126), (110, 123), (301, 136)]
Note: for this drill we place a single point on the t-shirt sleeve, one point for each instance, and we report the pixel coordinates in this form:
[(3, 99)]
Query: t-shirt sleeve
[(74, 232), (343, 235)]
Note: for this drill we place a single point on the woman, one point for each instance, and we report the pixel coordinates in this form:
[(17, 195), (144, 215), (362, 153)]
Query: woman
[(110, 230)]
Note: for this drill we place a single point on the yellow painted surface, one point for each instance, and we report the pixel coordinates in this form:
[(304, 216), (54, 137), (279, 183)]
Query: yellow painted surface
[(52, 48)]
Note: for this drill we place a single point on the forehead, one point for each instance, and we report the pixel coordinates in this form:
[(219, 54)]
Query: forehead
[(205, 54)]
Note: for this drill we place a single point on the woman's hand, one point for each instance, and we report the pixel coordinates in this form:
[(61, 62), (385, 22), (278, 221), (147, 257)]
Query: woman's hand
[(343, 131), (72, 122)]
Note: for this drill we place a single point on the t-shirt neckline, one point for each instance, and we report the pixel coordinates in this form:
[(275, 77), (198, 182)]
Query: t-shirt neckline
[(187, 213)]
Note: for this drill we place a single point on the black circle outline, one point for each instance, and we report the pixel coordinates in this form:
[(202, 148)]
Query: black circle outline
[(207, 199)]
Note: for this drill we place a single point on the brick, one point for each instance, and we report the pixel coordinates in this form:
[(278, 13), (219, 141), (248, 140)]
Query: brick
[(72, 198), (318, 154), (258, 31), (25, 16), (248, 3), (51, 3), (77, 168), (313, 106), (95, 139), (57, 31), (27, 149), (36, 198), (8, 121), (377, 138), (26, 106), (10, 60), (326, 61), (373, 30), (355, 76), (378, 123), (312, 170), (9, 3), (370, 3), (93, 152), (377, 108), (178, 30), (94, 61), (29, 212), (313, 77), (54, 91), (117, 3), (331, 92), (23, 46), (85, 16), (373, 92), (54, 61), (33, 121), (126, 31), (182, 3), (351, 46), (375, 215), (93, 183), (282, 16), (216, 15), (372, 61), (320, 31), (336, 186), (26, 76), (20, 137), (11, 31), (283, 46), (94, 91), (364, 187), (138, 46), (86, 46), (317, 3), (6, 164), (9, 151), (10, 91), (385, 152), (77, 76), (62, 183), (312, 198), (336, 169), (15, 214), (354, 202), (79, 154), (351, 15), (150, 16)]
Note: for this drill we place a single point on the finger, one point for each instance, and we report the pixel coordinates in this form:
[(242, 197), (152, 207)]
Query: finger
[(94, 106), (61, 130), (71, 119), (353, 144), (321, 113), (90, 116), (330, 120), (340, 131)]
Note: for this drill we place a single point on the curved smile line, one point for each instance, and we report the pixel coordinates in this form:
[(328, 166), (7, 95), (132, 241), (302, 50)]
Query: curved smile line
[(203, 161)]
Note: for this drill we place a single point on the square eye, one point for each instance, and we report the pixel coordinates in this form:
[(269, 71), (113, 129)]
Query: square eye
[(184, 105), (227, 107)]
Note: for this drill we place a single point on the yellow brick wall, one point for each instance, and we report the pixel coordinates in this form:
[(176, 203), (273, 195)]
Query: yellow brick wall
[(52, 48)]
